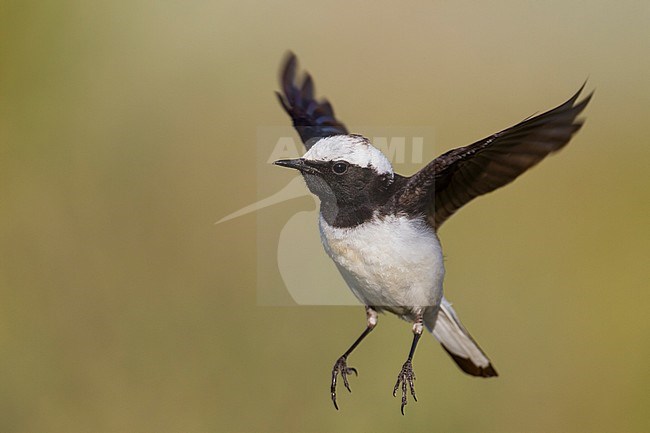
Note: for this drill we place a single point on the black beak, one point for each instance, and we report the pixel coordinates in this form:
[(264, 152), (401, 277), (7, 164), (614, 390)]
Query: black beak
[(299, 164)]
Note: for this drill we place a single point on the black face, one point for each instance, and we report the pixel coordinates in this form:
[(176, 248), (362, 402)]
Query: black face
[(348, 193), (348, 184)]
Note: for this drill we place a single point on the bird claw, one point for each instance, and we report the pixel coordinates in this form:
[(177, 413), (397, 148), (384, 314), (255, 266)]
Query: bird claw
[(405, 376), (340, 366)]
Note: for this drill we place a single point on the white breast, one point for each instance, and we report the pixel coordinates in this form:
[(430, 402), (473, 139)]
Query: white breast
[(388, 262)]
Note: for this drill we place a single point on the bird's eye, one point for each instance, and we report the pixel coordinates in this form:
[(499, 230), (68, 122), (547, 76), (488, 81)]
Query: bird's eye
[(340, 167)]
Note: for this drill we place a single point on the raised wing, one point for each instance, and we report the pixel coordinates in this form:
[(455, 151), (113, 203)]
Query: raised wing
[(455, 178), (312, 118)]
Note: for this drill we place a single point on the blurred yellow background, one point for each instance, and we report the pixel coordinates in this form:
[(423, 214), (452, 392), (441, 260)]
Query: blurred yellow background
[(128, 128)]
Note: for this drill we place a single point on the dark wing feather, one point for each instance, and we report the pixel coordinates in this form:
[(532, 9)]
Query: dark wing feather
[(455, 178), (312, 118)]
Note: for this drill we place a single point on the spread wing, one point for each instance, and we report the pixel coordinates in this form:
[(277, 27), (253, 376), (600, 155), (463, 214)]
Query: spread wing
[(455, 178), (312, 118)]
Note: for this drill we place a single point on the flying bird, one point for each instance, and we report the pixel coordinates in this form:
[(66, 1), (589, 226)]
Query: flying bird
[(380, 228)]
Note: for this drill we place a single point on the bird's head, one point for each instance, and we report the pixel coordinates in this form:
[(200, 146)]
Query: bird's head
[(343, 169)]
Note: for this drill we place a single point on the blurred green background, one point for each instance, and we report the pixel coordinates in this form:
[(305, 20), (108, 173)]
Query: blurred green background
[(128, 128)]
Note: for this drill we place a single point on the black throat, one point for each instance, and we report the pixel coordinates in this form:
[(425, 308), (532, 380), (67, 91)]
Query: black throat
[(345, 208), (346, 216)]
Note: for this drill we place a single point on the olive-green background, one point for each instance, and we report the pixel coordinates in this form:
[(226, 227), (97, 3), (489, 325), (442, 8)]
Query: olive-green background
[(127, 128)]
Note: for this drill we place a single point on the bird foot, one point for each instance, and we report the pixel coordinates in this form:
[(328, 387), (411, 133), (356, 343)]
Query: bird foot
[(405, 376), (340, 366)]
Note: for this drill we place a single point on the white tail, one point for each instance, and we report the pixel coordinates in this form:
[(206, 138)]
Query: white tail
[(455, 339)]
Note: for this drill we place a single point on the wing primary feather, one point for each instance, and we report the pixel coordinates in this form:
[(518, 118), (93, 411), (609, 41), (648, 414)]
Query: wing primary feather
[(458, 176), (312, 118)]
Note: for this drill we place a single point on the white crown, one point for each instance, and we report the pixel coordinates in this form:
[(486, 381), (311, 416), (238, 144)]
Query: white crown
[(354, 149)]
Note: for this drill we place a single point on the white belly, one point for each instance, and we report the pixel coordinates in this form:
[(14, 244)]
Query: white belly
[(392, 263)]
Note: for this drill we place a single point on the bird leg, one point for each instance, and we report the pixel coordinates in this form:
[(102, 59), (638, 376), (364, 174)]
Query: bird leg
[(406, 375), (340, 366)]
